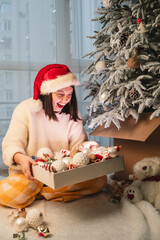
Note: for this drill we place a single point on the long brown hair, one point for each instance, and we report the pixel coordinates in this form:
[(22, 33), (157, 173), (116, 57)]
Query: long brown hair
[(70, 108)]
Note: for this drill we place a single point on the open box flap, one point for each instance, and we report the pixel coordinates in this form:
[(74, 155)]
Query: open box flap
[(130, 130)]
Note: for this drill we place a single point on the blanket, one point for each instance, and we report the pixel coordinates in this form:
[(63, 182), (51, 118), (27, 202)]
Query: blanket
[(93, 217)]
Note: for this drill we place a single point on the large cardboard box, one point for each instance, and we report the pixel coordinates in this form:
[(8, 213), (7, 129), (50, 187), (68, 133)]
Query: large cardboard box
[(90, 171), (138, 140)]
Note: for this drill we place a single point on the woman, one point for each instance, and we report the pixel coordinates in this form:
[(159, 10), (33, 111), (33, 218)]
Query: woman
[(50, 119)]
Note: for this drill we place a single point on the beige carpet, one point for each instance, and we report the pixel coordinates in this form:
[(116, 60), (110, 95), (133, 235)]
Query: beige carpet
[(91, 218)]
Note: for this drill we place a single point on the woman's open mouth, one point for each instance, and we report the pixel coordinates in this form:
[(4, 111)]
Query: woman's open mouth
[(60, 106)]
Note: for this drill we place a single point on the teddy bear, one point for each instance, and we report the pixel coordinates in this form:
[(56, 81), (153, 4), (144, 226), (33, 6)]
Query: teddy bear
[(147, 185)]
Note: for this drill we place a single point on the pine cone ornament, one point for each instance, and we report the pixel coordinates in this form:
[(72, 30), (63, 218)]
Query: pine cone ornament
[(80, 159), (133, 94), (123, 38), (133, 62)]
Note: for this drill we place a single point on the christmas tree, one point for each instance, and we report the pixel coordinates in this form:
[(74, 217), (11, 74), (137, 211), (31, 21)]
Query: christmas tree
[(124, 77)]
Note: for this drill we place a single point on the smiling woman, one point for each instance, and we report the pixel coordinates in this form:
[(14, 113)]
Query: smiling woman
[(49, 119), (61, 98)]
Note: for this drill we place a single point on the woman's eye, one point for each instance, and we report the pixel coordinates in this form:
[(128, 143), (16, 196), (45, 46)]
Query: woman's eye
[(60, 95)]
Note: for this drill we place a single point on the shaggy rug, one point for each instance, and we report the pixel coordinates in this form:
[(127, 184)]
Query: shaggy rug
[(93, 217)]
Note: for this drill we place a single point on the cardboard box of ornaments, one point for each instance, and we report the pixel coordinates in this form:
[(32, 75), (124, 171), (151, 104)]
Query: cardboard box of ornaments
[(138, 140), (55, 180)]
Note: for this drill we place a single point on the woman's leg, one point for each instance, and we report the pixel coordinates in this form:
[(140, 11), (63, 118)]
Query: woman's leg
[(74, 191), (17, 191)]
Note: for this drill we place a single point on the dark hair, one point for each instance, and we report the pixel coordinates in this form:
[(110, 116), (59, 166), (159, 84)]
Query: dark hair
[(70, 108)]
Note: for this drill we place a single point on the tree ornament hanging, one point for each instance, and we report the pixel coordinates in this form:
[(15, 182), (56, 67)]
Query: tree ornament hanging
[(100, 66), (133, 94), (133, 62), (123, 38), (108, 3), (103, 97), (142, 26)]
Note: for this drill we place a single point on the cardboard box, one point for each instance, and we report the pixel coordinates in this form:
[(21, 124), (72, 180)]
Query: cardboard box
[(68, 177), (138, 140)]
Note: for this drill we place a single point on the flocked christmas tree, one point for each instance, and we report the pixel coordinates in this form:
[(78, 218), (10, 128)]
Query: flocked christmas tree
[(124, 78)]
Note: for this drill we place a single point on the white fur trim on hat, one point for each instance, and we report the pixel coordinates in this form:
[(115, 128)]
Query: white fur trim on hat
[(52, 85)]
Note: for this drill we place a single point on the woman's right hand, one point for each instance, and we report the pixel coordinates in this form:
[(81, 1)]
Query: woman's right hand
[(25, 162)]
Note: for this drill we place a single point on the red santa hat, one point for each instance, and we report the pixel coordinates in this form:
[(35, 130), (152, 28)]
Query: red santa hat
[(52, 78)]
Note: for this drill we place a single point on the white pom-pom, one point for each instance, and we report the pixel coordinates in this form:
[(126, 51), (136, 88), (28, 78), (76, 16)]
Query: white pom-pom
[(100, 66), (59, 165), (80, 159), (34, 218), (44, 153)]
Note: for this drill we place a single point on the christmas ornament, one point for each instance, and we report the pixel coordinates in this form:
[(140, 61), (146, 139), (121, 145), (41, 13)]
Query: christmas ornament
[(133, 94), (21, 212), (100, 66), (71, 166), (103, 97), (20, 224), (67, 160), (108, 3), (43, 231), (34, 218), (49, 167), (100, 150), (44, 153), (142, 27), (112, 152), (73, 152), (123, 38), (59, 155), (20, 235), (59, 165), (92, 156), (66, 152), (88, 144), (80, 159), (87, 151), (133, 62)]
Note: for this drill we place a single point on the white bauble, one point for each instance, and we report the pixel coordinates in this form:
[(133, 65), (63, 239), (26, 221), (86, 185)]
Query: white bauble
[(80, 159), (103, 97), (112, 152), (20, 224), (44, 153), (100, 150), (67, 160), (100, 66), (87, 151), (108, 3), (34, 218), (59, 165), (88, 144)]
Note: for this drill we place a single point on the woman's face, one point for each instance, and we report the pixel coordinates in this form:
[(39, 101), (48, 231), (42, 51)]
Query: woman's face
[(61, 97)]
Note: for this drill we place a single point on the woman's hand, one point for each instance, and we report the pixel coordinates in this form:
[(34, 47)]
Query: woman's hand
[(25, 162)]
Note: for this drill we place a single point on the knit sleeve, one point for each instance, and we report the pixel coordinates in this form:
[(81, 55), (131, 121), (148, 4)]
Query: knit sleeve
[(15, 140), (77, 134)]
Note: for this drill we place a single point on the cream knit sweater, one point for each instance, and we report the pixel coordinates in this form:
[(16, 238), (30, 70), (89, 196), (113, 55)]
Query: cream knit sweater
[(30, 129)]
